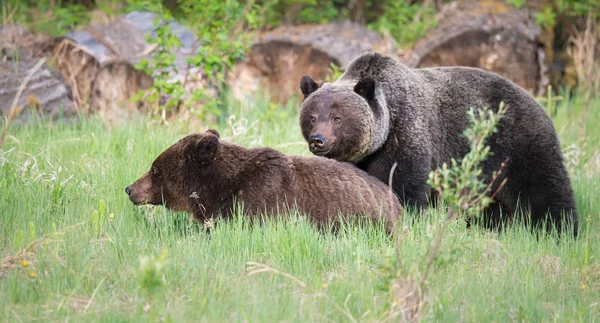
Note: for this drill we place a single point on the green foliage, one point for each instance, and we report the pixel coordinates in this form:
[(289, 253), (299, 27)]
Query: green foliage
[(97, 220), (578, 8), (405, 21), (569, 9), (517, 3), (333, 73), (278, 12), (549, 102), (546, 17), (150, 271), (47, 16), (460, 186), (162, 65), (224, 32)]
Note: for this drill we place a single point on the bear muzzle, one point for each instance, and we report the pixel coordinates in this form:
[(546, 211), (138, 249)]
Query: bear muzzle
[(316, 144), (138, 191)]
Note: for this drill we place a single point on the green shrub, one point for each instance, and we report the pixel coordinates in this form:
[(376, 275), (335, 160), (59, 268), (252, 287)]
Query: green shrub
[(224, 35), (406, 22)]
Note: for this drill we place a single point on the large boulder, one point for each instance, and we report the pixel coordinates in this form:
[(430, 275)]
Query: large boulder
[(98, 61), (46, 92), (278, 58), (489, 34), (76, 65), (124, 38)]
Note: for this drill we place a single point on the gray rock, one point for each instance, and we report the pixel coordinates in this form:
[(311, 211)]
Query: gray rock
[(46, 92), (124, 39)]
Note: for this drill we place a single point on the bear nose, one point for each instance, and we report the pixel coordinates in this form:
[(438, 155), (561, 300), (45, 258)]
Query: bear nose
[(128, 190), (317, 141)]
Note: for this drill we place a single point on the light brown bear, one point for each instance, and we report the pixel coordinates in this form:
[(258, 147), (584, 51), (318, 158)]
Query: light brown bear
[(206, 177)]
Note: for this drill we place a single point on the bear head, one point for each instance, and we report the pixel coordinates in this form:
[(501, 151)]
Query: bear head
[(185, 168), (344, 120)]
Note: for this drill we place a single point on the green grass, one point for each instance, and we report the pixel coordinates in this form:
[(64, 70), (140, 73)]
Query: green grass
[(59, 182)]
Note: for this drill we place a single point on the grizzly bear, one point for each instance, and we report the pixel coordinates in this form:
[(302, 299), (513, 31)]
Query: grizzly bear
[(208, 177), (380, 112)]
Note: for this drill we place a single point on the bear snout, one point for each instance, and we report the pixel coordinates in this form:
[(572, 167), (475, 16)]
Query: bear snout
[(138, 191), (316, 143)]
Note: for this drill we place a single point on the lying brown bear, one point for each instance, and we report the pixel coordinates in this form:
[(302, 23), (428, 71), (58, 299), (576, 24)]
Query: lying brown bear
[(205, 176)]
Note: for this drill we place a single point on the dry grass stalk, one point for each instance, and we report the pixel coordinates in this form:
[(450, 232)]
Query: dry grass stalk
[(13, 107), (408, 300), (14, 261), (29, 253), (257, 268), (62, 50), (585, 50)]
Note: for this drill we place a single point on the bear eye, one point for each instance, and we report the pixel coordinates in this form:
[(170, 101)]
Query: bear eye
[(313, 119), (337, 119)]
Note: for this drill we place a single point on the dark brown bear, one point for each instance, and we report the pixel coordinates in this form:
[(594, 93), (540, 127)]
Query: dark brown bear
[(205, 176), (380, 112)]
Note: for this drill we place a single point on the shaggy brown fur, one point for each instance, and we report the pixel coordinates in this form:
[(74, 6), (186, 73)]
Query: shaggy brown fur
[(205, 176)]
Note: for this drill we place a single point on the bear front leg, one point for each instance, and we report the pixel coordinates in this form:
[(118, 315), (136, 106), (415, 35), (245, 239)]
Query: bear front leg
[(409, 178), (412, 191)]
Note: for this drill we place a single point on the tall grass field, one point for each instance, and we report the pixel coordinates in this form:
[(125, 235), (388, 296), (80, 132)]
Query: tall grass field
[(74, 248)]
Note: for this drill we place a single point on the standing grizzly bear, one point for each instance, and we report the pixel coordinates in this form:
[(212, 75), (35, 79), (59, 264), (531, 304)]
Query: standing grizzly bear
[(205, 176), (380, 112)]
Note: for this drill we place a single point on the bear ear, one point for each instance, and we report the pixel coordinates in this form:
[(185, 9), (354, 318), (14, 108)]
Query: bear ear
[(308, 85), (366, 88), (213, 132), (204, 149)]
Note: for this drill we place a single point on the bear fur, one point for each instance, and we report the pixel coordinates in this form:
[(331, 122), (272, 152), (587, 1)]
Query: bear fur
[(380, 112), (206, 177)]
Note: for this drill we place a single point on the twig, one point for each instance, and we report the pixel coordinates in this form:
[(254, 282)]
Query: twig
[(15, 314), (392, 174), (94, 294), (499, 188), (71, 75), (13, 107), (5, 263), (65, 42), (100, 37), (489, 187), (433, 253), (8, 18), (114, 228), (391, 193), (149, 49), (392, 196), (264, 268)]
